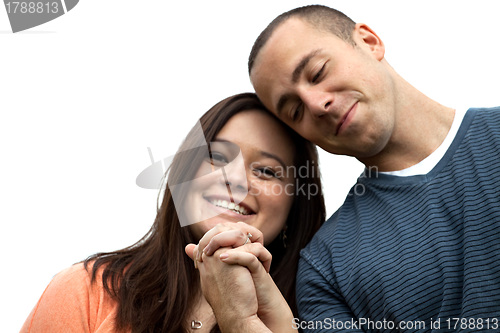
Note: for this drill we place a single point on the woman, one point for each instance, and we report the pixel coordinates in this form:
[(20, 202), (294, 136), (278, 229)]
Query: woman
[(152, 286)]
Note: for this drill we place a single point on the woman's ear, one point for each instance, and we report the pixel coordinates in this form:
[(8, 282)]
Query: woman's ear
[(366, 38)]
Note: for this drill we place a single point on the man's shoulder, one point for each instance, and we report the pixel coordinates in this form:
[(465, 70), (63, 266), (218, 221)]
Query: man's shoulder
[(486, 109), (325, 236), (485, 113), (483, 123)]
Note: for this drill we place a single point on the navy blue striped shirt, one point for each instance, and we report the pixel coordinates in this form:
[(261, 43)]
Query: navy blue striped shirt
[(413, 253)]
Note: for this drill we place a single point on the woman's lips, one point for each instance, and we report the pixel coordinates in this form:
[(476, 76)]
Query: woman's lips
[(223, 206)]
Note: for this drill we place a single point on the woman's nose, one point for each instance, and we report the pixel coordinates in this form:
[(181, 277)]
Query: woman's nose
[(235, 175)]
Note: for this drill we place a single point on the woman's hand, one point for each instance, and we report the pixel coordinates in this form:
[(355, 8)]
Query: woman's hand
[(229, 234), (273, 309), (241, 293), (235, 281), (230, 291)]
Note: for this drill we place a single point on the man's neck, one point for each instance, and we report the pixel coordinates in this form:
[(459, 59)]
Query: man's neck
[(421, 125)]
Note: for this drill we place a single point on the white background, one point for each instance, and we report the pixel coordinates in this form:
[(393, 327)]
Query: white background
[(83, 96)]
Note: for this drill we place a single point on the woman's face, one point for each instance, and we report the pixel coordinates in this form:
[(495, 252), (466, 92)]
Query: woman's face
[(248, 178)]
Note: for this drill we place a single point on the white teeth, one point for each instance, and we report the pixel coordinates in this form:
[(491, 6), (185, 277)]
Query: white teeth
[(230, 205)]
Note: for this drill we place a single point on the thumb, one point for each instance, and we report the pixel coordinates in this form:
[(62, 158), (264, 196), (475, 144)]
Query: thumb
[(189, 249)]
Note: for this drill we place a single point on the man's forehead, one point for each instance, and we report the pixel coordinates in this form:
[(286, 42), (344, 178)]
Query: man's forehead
[(287, 46), (282, 37), (280, 61), (263, 85)]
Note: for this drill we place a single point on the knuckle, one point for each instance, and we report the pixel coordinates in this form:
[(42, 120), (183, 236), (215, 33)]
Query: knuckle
[(258, 246), (219, 226), (213, 242)]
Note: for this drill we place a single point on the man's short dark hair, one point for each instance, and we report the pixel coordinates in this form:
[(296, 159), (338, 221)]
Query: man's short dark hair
[(321, 17)]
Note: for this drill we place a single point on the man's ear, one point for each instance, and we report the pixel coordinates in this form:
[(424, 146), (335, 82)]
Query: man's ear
[(365, 37)]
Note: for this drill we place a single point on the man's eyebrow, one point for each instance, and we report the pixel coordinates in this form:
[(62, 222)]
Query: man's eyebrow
[(281, 103), (295, 78), (302, 64)]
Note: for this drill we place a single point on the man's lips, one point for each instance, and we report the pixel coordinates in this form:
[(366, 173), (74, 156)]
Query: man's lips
[(342, 121)]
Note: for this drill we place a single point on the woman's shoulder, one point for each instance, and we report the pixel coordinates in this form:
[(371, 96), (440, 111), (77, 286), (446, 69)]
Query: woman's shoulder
[(73, 303), (75, 274), (77, 280)]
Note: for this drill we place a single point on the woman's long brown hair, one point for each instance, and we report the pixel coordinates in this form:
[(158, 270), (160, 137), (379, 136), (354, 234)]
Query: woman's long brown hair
[(155, 282)]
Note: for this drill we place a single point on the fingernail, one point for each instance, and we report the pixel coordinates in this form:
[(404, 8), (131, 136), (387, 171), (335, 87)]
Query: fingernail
[(198, 255), (224, 256), (207, 250), (196, 264)]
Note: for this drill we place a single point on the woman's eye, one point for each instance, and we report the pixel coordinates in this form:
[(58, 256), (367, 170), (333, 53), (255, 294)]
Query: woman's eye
[(218, 159), (266, 173)]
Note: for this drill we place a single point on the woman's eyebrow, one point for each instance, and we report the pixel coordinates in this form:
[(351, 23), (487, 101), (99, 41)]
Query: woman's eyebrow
[(273, 156)]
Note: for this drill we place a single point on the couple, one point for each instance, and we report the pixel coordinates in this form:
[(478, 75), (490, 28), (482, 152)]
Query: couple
[(421, 245)]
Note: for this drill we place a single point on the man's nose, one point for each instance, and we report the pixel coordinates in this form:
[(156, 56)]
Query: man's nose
[(317, 102)]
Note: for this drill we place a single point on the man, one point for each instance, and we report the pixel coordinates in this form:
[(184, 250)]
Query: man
[(418, 247)]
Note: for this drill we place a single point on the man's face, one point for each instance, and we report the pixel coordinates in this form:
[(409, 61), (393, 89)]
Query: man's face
[(336, 95)]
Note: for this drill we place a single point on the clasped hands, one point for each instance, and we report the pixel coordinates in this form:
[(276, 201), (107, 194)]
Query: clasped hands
[(235, 280)]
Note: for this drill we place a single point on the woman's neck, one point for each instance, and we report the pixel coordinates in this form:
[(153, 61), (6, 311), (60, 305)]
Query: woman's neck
[(202, 320)]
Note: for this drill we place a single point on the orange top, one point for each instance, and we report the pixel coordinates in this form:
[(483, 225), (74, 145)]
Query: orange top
[(71, 304)]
